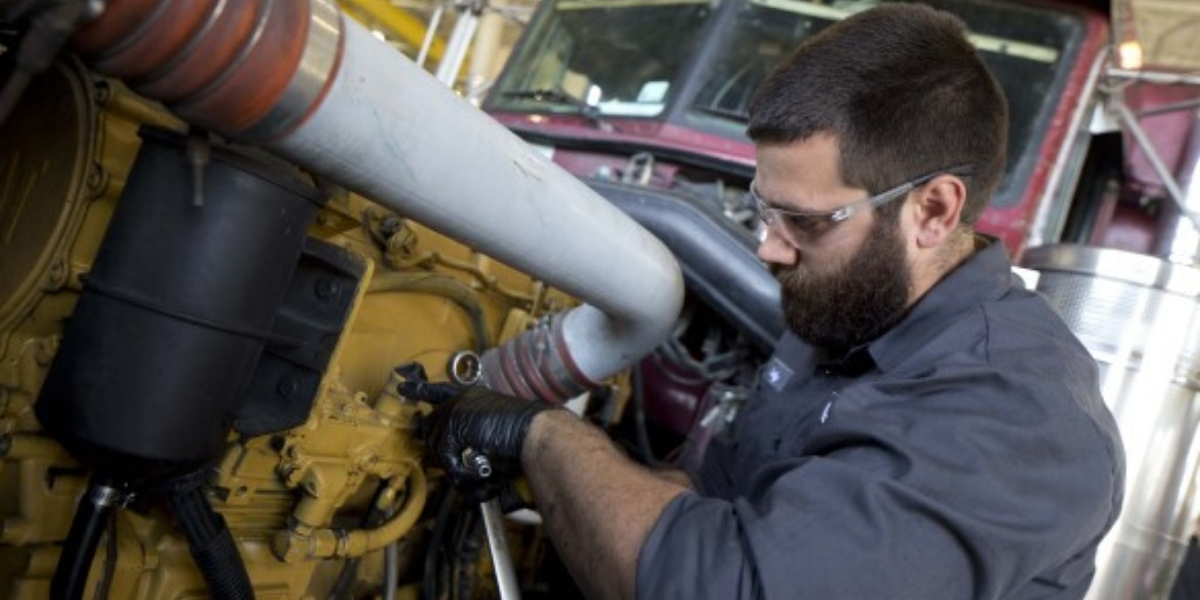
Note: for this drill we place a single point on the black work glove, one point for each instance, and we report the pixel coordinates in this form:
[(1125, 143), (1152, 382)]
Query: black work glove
[(475, 422)]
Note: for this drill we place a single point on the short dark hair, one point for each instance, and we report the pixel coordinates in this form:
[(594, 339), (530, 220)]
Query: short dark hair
[(904, 93)]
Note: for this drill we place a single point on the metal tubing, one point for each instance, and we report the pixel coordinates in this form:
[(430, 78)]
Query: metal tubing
[(392, 133), (1139, 316), (506, 575), (358, 112), (1164, 173), (294, 546), (456, 48), (426, 45), (408, 27), (1159, 77)]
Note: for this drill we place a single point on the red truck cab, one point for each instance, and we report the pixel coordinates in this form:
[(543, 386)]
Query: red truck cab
[(655, 93)]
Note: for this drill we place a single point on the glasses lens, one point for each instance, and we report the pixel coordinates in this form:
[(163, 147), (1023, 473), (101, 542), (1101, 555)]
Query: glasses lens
[(808, 227), (794, 227)]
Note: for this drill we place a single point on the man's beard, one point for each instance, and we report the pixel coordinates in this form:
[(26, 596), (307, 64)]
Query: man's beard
[(856, 303)]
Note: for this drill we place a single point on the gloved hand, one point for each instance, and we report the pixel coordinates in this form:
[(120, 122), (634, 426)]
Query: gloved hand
[(471, 422)]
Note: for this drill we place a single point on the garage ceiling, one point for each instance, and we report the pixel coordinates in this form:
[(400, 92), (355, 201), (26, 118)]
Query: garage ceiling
[(1167, 32)]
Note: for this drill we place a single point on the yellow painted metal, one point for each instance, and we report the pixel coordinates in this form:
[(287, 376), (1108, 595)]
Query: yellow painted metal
[(400, 23), (424, 297), (68, 198)]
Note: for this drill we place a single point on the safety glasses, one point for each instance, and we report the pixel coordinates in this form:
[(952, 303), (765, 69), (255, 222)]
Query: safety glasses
[(800, 226)]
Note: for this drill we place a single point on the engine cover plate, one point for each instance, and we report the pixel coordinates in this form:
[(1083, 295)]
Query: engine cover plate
[(43, 183)]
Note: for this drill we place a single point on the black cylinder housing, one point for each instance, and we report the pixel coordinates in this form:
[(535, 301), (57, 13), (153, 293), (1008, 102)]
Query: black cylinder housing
[(157, 357)]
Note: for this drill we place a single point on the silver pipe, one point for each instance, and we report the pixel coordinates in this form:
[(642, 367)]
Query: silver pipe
[(1139, 316), (456, 48), (430, 34), (506, 576), (1180, 243), (391, 570), (1159, 77)]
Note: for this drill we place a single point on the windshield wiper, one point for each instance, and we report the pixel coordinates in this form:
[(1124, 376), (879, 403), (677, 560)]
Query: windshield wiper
[(561, 98), (550, 95)]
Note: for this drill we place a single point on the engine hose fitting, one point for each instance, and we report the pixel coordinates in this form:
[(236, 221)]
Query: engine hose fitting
[(211, 544), (464, 368), (536, 364)]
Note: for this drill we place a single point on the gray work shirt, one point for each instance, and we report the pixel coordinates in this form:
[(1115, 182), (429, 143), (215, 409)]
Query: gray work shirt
[(965, 454)]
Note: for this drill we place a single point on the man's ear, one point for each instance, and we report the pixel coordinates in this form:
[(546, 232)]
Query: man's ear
[(938, 208)]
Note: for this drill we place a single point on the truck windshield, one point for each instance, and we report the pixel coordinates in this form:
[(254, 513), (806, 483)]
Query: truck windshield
[(605, 57), (1023, 46)]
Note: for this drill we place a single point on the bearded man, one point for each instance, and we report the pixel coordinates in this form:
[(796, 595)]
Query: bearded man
[(927, 428)]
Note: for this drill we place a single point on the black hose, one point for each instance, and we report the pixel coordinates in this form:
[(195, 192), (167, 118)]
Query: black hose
[(209, 540), (433, 581), (110, 560), (638, 391), (91, 518), (344, 584)]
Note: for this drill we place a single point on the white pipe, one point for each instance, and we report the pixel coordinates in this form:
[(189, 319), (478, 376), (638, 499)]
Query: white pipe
[(389, 131), (456, 48), (430, 34)]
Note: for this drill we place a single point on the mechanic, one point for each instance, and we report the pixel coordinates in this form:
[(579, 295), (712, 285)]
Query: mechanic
[(927, 428)]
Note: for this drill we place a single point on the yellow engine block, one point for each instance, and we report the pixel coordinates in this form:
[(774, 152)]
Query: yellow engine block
[(296, 500)]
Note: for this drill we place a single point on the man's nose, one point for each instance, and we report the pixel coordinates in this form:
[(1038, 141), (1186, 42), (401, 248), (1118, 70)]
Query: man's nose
[(774, 249)]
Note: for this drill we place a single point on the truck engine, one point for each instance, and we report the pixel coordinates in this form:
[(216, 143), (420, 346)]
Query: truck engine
[(229, 232)]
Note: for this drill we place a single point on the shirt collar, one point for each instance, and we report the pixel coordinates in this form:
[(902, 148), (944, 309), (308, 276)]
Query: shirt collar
[(852, 364), (985, 276)]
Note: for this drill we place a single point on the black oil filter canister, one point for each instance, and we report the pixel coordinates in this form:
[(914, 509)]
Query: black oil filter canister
[(158, 355)]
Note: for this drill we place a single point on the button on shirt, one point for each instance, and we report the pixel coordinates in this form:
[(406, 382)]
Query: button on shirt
[(965, 454)]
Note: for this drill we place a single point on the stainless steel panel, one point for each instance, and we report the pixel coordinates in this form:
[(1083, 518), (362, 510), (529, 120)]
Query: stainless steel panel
[(1140, 318)]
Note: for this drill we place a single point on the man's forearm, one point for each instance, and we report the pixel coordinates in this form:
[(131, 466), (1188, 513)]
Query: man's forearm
[(598, 506), (674, 476)]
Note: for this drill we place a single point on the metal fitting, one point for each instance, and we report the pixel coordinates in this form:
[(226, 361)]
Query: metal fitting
[(105, 495), (464, 368), (477, 463)]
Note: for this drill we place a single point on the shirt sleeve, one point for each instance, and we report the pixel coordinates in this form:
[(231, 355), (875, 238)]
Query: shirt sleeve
[(967, 489)]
